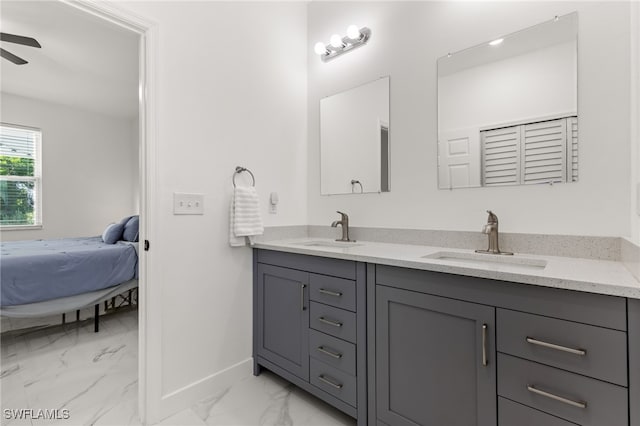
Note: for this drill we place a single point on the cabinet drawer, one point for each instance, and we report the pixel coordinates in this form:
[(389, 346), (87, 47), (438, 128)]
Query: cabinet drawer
[(333, 291), (333, 381), (333, 321), (559, 392), (513, 414), (333, 351), (585, 349), (317, 264)]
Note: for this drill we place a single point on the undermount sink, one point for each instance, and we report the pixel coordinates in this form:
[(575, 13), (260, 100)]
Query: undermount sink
[(334, 244), (476, 259)]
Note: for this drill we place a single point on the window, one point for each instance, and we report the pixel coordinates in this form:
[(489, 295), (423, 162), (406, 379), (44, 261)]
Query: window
[(20, 177)]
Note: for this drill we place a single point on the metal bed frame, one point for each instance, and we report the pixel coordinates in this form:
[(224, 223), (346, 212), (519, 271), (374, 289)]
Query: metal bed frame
[(127, 299)]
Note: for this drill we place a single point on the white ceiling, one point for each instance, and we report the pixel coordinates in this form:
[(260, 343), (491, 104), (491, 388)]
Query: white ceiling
[(85, 62), (543, 35)]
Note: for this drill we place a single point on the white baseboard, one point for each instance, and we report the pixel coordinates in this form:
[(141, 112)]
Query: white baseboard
[(185, 397)]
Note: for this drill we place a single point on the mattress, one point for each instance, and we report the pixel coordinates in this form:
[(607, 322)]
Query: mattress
[(39, 270)]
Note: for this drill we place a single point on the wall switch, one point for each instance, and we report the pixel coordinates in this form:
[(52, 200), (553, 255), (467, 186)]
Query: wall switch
[(273, 203), (188, 203)]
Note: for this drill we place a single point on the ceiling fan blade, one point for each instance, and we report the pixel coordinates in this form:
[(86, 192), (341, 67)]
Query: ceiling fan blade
[(27, 41), (12, 58)]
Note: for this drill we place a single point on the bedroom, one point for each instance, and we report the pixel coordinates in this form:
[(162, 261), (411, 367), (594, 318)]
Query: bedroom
[(72, 114)]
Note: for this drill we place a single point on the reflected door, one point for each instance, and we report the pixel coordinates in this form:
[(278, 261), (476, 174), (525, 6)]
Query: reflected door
[(459, 159)]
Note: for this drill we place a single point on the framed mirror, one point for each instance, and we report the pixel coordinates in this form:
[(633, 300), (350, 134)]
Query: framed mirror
[(508, 110), (354, 140)]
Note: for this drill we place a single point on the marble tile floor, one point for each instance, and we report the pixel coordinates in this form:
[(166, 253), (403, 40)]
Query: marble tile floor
[(266, 400), (69, 367), (94, 377)]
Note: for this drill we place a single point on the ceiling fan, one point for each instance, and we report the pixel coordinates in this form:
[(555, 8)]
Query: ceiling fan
[(11, 38)]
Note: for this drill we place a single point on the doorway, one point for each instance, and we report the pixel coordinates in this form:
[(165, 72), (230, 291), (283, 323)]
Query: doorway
[(113, 360)]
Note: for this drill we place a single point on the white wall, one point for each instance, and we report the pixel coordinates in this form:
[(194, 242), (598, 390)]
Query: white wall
[(407, 38), (89, 174), (231, 90), (523, 88), (635, 123)]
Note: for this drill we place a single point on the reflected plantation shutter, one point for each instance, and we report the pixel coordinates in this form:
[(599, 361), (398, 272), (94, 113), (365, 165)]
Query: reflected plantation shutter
[(572, 148), (544, 157), (501, 156), (533, 153)]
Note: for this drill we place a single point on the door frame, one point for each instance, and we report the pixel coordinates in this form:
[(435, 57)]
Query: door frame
[(147, 142)]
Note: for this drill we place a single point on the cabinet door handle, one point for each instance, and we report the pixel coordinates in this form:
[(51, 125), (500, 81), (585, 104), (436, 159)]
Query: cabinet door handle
[(485, 361), (330, 382), (332, 354), (579, 404), (329, 322), (302, 287), (533, 341), (329, 292)]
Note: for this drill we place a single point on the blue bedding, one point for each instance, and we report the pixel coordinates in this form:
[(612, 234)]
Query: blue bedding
[(38, 270)]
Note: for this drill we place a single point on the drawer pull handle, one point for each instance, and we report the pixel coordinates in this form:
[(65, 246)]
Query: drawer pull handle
[(302, 287), (484, 345), (330, 293), (329, 382), (533, 341), (330, 353), (329, 322), (579, 404)]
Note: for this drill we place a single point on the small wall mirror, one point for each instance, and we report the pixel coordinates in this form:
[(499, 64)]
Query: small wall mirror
[(507, 109), (354, 140)]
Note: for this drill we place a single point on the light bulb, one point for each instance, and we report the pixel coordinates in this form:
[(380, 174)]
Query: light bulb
[(320, 48), (353, 32), (336, 41)]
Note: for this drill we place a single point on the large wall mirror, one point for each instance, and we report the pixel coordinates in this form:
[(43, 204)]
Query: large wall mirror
[(507, 109), (354, 140)]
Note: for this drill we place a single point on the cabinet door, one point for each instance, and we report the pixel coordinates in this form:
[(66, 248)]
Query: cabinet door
[(283, 318), (435, 360)]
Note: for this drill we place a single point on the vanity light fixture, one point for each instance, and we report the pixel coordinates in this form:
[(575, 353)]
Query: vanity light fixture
[(338, 45), (496, 42)]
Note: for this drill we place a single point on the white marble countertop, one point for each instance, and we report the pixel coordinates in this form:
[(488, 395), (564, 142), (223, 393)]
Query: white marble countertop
[(593, 276)]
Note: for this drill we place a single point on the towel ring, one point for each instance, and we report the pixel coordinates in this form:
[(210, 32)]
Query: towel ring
[(240, 170)]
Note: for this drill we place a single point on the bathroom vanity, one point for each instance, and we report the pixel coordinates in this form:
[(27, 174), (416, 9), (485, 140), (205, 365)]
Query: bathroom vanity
[(310, 325), (401, 335)]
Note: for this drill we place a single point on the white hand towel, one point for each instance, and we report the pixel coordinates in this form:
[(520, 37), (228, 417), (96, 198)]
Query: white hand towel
[(245, 219), (233, 240)]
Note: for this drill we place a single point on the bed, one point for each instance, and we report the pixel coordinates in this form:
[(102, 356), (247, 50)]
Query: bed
[(44, 277)]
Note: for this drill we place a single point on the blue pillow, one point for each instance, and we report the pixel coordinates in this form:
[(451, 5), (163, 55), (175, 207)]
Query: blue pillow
[(112, 233), (131, 229)]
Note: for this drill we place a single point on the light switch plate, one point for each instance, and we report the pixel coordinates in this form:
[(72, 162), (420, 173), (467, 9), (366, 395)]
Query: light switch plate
[(188, 203)]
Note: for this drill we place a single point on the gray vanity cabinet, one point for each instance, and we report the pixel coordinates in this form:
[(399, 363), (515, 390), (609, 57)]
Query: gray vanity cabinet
[(435, 360), (310, 326), (404, 347), (554, 357), (284, 300)]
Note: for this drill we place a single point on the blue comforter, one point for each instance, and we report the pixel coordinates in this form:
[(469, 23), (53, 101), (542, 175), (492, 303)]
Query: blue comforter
[(33, 271)]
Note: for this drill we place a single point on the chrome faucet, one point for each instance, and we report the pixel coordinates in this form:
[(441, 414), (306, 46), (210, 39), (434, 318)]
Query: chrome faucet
[(344, 222), (491, 229)]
